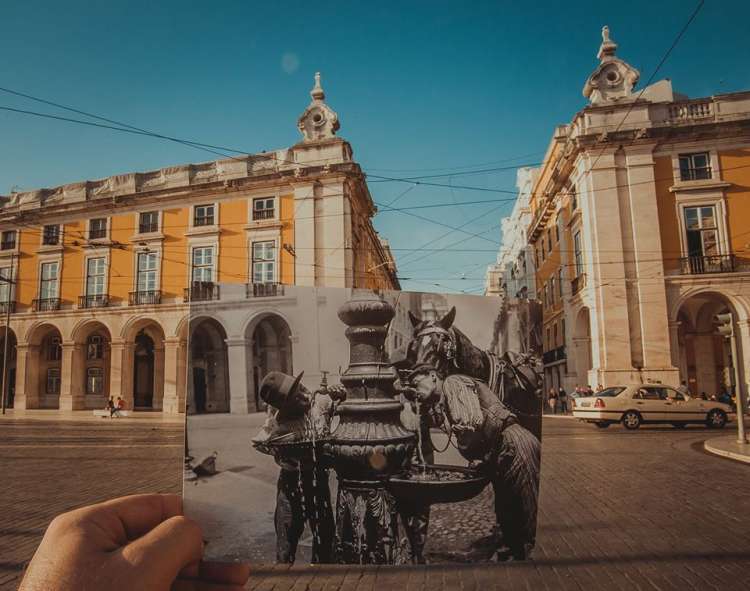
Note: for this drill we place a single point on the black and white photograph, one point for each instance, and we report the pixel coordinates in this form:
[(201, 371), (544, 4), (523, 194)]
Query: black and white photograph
[(356, 426)]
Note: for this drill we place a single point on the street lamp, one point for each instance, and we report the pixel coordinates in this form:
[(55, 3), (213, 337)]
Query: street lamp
[(10, 283), (725, 327)]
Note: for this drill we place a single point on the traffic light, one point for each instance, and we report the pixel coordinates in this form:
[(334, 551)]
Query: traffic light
[(724, 324)]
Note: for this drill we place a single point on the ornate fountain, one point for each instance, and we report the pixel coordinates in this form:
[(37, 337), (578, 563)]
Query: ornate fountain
[(370, 444)]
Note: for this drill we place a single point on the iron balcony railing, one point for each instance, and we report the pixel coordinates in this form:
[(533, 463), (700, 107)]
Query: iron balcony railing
[(263, 214), (99, 300), (45, 304), (264, 290), (578, 283), (554, 355), (202, 291), (8, 244), (718, 263), (145, 297), (4, 306)]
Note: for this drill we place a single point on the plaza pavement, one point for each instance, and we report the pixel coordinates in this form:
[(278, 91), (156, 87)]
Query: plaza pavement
[(619, 510)]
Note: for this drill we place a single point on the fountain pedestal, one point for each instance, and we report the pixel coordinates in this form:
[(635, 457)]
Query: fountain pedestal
[(370, 443)]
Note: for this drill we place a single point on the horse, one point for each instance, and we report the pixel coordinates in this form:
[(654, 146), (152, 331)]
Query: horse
[(514, 377)]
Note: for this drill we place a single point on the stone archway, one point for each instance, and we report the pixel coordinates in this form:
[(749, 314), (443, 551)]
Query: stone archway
[(705, 356), (8, 375), (208, 376), (45, 367), (582, 347), (270, 350), (91, 364)]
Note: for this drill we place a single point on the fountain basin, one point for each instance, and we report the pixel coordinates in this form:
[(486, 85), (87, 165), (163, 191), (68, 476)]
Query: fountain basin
[(439, 483)]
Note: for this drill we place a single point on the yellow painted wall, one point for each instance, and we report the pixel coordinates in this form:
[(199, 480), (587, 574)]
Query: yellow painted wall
[(72, 273), (175, 264), (233, 248), (735, 168), (122, 261), (286, 215), (669, 227)]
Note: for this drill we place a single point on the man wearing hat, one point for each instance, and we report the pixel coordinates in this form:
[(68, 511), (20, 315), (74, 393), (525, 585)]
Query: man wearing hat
[(297, 417)]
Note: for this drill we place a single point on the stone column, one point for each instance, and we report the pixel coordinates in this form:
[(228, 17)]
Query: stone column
[(674, 347), (121, 371), (159, 377), (71, 370), (24, 399), (743, 353), (305, 270), (237, 362), (172, 401)]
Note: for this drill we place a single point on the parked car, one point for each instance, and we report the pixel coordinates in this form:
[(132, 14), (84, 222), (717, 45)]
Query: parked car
[(635, 404)]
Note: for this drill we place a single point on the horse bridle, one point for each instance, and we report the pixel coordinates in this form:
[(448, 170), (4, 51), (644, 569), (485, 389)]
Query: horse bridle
[(447, 346)]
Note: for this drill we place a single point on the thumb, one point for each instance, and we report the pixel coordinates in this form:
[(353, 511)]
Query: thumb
[(163, 552)]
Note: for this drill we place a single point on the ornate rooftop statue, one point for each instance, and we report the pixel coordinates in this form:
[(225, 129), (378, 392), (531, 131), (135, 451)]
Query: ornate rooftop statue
[(614, 79), (319, 121)]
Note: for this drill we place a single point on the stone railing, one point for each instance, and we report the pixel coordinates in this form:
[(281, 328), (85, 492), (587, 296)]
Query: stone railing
[(690, 111)]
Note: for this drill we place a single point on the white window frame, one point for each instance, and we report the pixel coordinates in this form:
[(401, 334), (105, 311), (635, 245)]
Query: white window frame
[(138, 222), (105, 274), (214, 260), (6, 271), (108, 231), (15, 244), (136, 275), (713, 156), (89, 380), (276, 206), (59, 237), (276, 260), (213, 204), (579, 265), (715, 199), (42, 264)]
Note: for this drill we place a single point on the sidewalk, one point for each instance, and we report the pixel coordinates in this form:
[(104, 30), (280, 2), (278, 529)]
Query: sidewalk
[(728, 447), (76, 416)]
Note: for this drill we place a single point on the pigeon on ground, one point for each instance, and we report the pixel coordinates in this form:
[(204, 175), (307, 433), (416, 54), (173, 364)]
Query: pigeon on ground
[(207, 466)]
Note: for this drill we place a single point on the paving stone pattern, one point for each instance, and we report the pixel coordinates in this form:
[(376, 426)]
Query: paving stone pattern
[(619, 510)]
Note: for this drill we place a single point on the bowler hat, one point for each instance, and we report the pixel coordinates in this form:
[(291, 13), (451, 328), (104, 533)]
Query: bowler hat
[(277, 389)]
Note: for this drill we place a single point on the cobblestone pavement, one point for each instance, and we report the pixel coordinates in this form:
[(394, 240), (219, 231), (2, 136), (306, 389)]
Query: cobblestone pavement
[(619, 510)]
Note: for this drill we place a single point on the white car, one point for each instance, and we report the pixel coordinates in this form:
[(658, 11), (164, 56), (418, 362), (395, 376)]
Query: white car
[(634, 404)]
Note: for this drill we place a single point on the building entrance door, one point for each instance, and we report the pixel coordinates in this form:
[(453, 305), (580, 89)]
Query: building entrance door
[(143, 372), (199, 389)]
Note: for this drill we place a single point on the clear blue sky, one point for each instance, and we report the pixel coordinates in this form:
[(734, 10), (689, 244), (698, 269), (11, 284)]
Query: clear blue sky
[(417, 85)]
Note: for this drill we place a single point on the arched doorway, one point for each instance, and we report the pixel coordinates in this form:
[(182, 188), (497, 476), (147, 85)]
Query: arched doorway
[(706, 361), (143, 370), (582, 345), (271, 351), (143, 382), (209, 367), (10, 374), (45, 367), (91, 364)]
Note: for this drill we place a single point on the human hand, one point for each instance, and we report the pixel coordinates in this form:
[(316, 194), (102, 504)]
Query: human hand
[(139, 542)]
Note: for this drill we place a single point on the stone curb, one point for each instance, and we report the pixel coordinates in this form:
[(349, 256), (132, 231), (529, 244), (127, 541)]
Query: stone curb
[(728, 448)]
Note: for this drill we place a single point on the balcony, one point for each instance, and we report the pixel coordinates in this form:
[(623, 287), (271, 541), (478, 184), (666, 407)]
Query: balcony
[(202, 291), (45, 304), (144, 298), (691, 111), (6, 307), (578, 284), (264, 290), (263, 214), (99, 300), (697, 265), (554, 355), (8, 244)]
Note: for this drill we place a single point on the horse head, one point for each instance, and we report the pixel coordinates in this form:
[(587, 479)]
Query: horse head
[(433, 342)]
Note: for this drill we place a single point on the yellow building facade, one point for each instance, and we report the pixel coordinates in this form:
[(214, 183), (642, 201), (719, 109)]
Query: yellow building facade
[(97, 277), (640, 227)]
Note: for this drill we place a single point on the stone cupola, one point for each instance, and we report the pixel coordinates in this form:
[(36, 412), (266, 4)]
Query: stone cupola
[(613, 80), (319, 121)]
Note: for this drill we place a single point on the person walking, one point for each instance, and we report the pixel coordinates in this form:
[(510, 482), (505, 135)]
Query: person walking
[(552, 401), (562, 396)]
